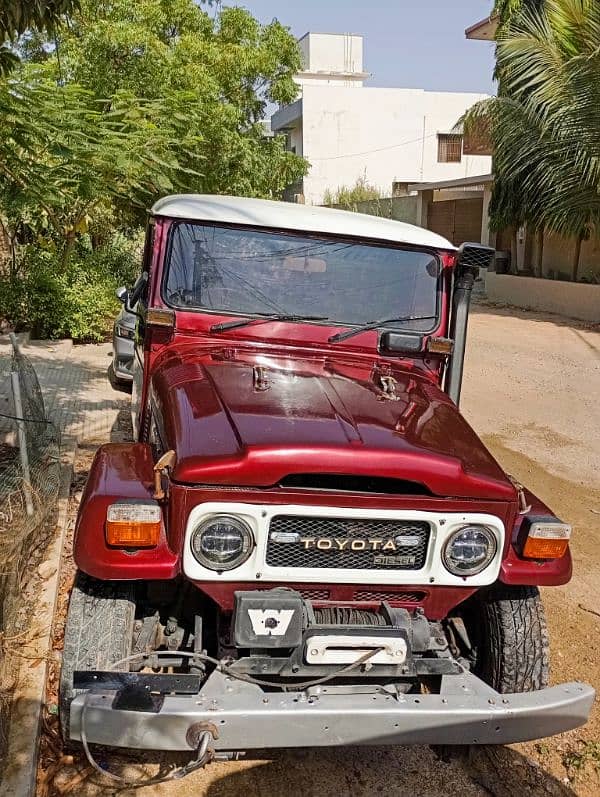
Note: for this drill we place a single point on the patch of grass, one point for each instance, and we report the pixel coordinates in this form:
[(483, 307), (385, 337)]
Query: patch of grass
[(542, 749), (575, 761)]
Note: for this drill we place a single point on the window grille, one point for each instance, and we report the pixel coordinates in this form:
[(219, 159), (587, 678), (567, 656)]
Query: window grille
[(449, 147)]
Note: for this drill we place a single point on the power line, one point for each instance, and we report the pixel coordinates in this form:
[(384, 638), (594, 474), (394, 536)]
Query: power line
[(379, 149)]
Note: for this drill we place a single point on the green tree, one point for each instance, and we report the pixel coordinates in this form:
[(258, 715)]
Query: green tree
[(545, 126), (508, 9), (124, 103), (227, 65), (62, 156), (19, 16), (508, 209)]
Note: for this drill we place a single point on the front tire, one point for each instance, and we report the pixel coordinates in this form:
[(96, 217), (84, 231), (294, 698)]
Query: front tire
[(507, 627), (98, 633)]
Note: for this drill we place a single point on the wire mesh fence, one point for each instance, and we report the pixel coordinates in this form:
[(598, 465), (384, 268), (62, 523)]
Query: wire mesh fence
[(29, 484)]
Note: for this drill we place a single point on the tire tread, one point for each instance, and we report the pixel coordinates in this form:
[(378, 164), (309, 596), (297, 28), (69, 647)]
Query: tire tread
[(516, 644), (98, 632)]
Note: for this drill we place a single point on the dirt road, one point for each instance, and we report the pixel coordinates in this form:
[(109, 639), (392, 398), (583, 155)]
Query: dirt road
[(532, 391)]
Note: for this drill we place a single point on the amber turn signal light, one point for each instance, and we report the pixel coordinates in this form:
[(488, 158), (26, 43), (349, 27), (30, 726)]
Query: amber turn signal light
[(440, 345), (547, 541), (157, 317), (537, 548), (133, 524)]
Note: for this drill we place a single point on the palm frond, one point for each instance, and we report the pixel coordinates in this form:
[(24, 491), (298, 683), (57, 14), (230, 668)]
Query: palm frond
[(545, 125)]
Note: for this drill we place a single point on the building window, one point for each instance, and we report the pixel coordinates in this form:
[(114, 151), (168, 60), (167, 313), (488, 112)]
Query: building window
[(449, 148), (288, 143)]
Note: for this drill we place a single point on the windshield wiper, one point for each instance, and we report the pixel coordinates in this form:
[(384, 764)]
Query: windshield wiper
[(241, 322), (349, 333)]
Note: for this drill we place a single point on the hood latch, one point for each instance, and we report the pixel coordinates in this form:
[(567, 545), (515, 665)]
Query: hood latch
[(524, 507), (165, 464), (259, 376), (388, 387)]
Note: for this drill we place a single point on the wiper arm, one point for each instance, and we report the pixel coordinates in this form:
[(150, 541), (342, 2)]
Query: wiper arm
[(349, 333), (241, 322)]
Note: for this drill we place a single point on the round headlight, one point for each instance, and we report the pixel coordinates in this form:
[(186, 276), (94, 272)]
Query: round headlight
[(222, 542), (469, 550)]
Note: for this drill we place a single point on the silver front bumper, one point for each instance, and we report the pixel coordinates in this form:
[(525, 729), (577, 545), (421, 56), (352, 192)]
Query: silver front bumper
[(466, 711)]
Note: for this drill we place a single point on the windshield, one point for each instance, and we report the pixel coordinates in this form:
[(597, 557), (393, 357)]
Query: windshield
[(254, 272)]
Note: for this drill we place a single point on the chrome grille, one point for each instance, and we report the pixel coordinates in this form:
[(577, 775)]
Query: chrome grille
[(347, 543)]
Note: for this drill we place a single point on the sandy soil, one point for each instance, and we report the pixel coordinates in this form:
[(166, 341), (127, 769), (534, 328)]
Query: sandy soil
[(531, 390)]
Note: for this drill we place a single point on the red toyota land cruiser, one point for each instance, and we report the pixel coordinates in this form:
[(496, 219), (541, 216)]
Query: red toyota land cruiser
[(306, 544)]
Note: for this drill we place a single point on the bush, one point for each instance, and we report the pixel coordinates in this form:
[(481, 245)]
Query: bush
[(348, 197), (120, 258), (77, 303)]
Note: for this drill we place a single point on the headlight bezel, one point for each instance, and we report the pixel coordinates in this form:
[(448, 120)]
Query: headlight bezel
[(248, 542), (474, 570)]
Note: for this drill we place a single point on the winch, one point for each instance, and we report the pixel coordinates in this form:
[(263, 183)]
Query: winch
[(278, 632)]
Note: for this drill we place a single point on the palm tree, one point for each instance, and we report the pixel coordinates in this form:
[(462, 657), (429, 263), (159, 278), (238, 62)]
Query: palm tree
[(508, 9), (545, 124)]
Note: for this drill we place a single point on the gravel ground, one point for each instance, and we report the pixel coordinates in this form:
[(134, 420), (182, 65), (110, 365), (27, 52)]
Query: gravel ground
[(531, 391)]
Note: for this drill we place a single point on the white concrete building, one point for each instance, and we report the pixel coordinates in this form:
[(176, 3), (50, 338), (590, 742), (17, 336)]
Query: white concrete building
[(347, 130)]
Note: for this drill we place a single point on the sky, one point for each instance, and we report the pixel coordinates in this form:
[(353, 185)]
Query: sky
[(407, 43)]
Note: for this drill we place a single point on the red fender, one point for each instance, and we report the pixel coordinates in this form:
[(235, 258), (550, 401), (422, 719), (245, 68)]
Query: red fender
[(533, 572), (119, 470)]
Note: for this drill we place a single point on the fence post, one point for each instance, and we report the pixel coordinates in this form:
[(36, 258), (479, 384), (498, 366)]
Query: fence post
[(24, 455)]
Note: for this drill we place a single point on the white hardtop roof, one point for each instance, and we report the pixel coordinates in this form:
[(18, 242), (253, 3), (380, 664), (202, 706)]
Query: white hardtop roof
[(291, 216)]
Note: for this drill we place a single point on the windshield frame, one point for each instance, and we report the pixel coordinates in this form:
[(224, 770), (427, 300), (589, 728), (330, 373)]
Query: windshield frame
[(375, 242)]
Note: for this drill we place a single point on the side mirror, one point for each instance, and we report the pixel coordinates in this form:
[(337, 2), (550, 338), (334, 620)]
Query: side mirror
[(122, 294), (137, 290), (401, 343)]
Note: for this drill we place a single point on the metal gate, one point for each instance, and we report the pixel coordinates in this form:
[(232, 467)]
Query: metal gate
[(458, 220)]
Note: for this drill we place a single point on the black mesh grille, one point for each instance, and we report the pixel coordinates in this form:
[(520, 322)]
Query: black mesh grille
[(347, 543), (381, 595), (315, 594), (476, 255)]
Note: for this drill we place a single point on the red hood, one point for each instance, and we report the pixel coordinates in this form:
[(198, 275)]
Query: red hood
[(313, 415)]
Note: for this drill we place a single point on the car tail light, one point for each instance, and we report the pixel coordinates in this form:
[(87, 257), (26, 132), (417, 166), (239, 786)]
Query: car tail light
[(547, 540), (133, 524)]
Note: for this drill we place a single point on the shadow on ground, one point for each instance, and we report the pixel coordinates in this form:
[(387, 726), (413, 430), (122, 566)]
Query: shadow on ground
[(497, 771), (344, 772), (482, 306)]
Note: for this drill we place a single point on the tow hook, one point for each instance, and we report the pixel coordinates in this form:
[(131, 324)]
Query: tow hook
[(204, 752), (196, 732), (199, 737)]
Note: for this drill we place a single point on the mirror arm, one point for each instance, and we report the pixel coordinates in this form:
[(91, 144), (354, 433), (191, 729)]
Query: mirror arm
[(131, 310), (132, 299)]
